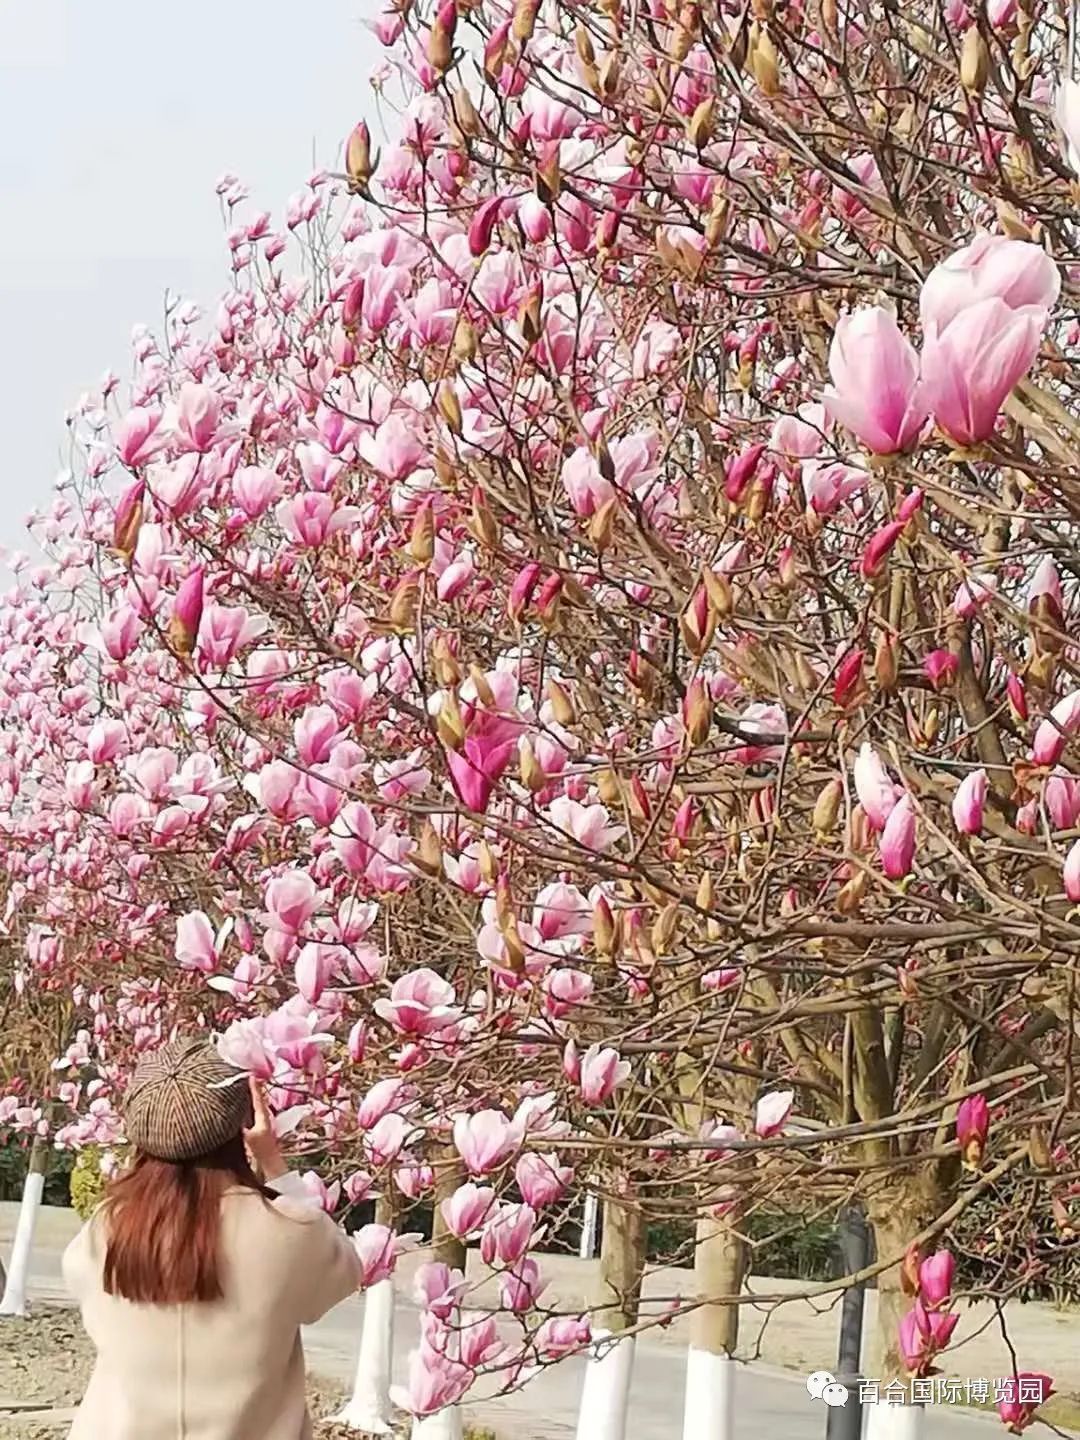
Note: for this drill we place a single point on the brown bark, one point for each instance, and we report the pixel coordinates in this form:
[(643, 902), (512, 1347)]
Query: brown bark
[(622, 1262), (719, 1268), (897, 1215), (445, 1246)]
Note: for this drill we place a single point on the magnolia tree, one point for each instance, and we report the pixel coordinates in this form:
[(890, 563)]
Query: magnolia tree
[(567, 672)]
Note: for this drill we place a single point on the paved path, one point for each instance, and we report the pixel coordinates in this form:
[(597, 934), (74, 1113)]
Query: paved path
[(769, 1401)]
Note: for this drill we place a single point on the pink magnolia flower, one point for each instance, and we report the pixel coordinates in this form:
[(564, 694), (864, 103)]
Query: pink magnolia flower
[(439, 1289), (187, 611), (255, 488), (120, 632), (973, 594), (482, 227), (485, 1140), (314, 968), (1056, 730), (993, 267), (923, 1335), (137, 438), (384, 1096), (521, 1287), (1061, 796), (467, 1209), (316, 733), (970, 367), (563, 989), (936, 1277), (898, 839), (1045, 587), (395, 449), (1022, 1395), (226, 630), (1071, 872), (378, 1249), (876, 392), (477, 767), (587, 824), (318, 466), (602, 1072), (169, 824), (972, 1126), (828, 486), (562, 1335), (876, 791), (420, 1003), (716, 980), (386, 1139), (106, 740), (244, 1045), (197, 412), (195, 943), (312, 518), (508, 1234), (435, 1381), (291, 900), (397, 779), (878, 548), (561, 909), (940, 668), (541, 1179), (771, 1112), (968, 803), (478, 1340)]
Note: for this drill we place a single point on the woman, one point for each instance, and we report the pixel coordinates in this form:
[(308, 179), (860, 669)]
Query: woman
[(194, 1276)]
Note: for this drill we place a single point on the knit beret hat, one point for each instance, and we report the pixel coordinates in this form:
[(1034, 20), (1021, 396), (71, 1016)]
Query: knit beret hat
[(184, 1101)]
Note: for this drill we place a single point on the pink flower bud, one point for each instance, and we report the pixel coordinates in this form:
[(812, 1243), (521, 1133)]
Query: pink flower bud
[(940, 668), (968, 803), (878, 547), (972, 1125)]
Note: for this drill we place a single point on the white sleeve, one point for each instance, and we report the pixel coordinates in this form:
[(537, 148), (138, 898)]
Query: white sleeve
[(291, 1184)]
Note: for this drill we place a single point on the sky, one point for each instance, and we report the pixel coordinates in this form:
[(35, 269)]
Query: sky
[(115, 121)]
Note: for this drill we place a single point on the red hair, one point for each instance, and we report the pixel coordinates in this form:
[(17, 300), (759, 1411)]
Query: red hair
[(163, 1226)]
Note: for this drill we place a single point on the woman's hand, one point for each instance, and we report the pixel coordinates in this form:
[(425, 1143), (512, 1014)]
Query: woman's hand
[(260, 1139)]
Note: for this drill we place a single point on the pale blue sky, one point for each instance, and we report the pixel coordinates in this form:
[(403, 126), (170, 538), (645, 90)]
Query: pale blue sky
[(116, 118)]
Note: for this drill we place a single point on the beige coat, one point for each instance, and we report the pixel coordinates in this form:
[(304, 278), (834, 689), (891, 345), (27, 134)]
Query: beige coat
[(231, 1369)]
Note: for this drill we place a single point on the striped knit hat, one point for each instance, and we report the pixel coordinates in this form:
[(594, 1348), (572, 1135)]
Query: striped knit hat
[(184, 1101)]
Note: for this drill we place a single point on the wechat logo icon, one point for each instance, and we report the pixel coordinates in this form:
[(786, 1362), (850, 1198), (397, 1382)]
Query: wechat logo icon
[(823, 1386)]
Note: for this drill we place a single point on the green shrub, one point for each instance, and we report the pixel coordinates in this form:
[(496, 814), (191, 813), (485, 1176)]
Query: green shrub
[(14, 1155), (87, 1182)]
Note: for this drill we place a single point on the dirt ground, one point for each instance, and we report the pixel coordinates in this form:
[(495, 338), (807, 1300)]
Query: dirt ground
[(45, 1362)]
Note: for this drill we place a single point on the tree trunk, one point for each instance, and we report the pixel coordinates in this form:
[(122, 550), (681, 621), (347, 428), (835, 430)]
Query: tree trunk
[(897, 1216), (369, 1407), (605, 1394), (445, 1247), (444, 1425), (719, 1269), (14, 1301)]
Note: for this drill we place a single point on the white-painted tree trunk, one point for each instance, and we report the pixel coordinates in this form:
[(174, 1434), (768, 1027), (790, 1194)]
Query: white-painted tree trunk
[(605, 1394), (893, 1422), (709, 1412), (443, 1425), (719, 1266), (369, 1408), (14, 1300), (590, 1212)]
